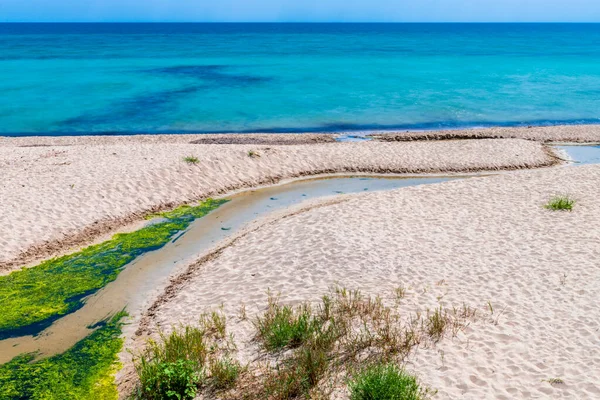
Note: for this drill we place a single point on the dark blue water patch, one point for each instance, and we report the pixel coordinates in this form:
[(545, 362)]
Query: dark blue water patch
[(178, 236), (190, 70), (153, 103), (135, 108), (215, 74)]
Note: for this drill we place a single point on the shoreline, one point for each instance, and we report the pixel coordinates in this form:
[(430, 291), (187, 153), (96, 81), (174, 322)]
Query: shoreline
[(309, 160), (569, 133)]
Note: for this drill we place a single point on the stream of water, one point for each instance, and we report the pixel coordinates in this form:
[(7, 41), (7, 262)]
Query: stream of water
[(148, 274)]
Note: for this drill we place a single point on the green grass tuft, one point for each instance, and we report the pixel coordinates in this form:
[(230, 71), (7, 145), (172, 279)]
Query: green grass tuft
[(86, 371), (384, 382), (224, 373), (178, 365), (560, 203), (173, 367), (33, 298), (437, 323), (282, 326), (191, 160)]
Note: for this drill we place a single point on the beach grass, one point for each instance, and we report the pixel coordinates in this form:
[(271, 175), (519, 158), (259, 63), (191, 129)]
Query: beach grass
[(283, 326), (85, 371), (33, 298), (224, 372), (384, 382), (192, 160), (437, 322), (177, 365), (172, 368), (347, 339), (560, 203)]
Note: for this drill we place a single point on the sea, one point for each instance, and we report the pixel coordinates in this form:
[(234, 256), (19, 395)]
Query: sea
[(75, 79)]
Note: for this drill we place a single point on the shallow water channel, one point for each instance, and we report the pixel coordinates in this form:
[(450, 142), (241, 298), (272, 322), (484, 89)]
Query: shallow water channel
[(149, 273), (581, 154)]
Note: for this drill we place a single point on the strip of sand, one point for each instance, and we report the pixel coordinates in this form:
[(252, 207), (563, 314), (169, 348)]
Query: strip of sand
[(559, 133), (62, 192), (485, 242)]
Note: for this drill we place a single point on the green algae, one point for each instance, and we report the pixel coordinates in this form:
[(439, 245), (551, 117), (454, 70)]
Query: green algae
[(85, 371), (33, 298)]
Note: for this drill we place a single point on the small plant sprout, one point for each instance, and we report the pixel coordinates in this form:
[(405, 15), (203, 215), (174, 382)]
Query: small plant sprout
[(253, 154), (191, 160), (490, 307), (563, 279), (436, 323), (214, 323), (560, 203), (400, 292), (242, 312)]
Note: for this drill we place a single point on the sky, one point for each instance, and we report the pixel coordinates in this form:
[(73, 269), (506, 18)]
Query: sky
[(300, 10)]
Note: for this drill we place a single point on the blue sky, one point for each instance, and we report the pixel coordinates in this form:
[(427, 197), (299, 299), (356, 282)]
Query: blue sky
[(301, 10)]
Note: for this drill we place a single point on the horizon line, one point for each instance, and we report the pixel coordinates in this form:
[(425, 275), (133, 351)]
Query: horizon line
[(300, 22)]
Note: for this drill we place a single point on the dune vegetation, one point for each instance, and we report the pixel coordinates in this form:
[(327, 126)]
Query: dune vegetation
[(347, 342)]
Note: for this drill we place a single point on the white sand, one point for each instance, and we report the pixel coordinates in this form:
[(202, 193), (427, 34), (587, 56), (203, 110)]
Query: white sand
[(560, 133), (472, 241), (57, 193)]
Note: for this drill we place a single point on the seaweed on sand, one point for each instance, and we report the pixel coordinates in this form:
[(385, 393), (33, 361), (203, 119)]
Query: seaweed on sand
[(33, 298), (85, 371)]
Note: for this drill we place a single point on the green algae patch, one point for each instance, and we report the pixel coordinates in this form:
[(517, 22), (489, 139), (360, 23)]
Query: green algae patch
[(85, 371), (187, 211), (33, 298)]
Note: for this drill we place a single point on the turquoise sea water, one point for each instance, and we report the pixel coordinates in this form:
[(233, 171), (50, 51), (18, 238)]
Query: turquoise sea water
[(149, 78)]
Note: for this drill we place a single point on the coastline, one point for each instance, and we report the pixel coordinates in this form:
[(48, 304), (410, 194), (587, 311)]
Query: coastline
[(571, 133), (545, 134), (78, 189)]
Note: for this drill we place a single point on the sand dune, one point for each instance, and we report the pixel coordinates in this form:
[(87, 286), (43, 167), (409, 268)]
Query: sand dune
[(62, 192), (479, 241)]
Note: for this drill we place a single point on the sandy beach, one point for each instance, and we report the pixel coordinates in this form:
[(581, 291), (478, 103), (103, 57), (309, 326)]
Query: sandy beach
[(560, 133), (68, 191), (484, 242)]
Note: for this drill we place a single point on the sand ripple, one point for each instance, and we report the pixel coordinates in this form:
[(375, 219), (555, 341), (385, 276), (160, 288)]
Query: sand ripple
[(54, 197), (478, 241)]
